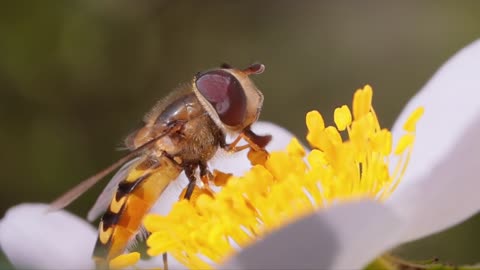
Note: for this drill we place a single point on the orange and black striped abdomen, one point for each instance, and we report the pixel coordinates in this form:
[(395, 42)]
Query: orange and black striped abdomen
[(133, 199)]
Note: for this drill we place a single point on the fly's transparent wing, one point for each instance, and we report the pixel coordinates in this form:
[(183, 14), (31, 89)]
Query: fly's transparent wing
[(105, 197), (71, 195)]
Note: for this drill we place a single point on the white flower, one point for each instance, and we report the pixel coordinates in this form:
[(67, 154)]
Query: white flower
[(438, 191), (31, 238)]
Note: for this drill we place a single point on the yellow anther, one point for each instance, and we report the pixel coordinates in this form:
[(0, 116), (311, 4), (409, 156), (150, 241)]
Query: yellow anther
[(315, 125), (342, 117), (220, 178), (317, 158), (404, 142), (257, 157), (413, 119), (315, 121), (295, 148), (333, 135), (362, 101), (382, 142)]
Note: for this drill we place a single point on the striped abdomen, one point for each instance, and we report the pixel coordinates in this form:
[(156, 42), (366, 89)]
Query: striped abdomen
[(133, 199)]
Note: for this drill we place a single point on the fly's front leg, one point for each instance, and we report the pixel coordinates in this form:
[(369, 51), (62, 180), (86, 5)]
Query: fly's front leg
[(254, 141), (232, 147)]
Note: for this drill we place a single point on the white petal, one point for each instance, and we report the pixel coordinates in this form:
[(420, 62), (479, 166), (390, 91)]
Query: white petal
[(236, 163), (440, 187), (33, 239), (345, 236)]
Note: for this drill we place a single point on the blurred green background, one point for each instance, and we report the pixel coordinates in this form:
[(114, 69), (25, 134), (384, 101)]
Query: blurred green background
[(77, 76)]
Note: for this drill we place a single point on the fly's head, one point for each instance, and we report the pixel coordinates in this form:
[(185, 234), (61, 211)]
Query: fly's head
[(230, 96)]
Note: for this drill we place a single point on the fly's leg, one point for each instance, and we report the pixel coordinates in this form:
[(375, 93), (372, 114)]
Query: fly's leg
[(206, 176), (254, 141), (205, 173), (232, 147)]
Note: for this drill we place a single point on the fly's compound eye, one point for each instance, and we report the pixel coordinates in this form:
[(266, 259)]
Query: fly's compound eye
[(225, 93)]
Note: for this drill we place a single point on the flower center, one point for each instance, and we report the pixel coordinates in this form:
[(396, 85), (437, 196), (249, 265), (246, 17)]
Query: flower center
[(286, 185)]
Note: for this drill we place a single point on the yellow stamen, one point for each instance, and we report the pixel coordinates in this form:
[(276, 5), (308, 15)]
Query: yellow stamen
[(283, 186), (295, 148), (257, 157), (413, 119), (315, 125), (342, 117), (362, 101), (220, 178), (404, 142)]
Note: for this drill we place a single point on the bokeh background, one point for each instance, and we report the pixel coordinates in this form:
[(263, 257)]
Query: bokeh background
[(76, 76)]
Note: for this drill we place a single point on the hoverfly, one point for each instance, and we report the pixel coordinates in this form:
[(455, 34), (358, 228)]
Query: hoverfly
[(181, 133)]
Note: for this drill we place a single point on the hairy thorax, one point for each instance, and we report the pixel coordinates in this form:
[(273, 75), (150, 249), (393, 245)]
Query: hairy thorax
[(198, 138)]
